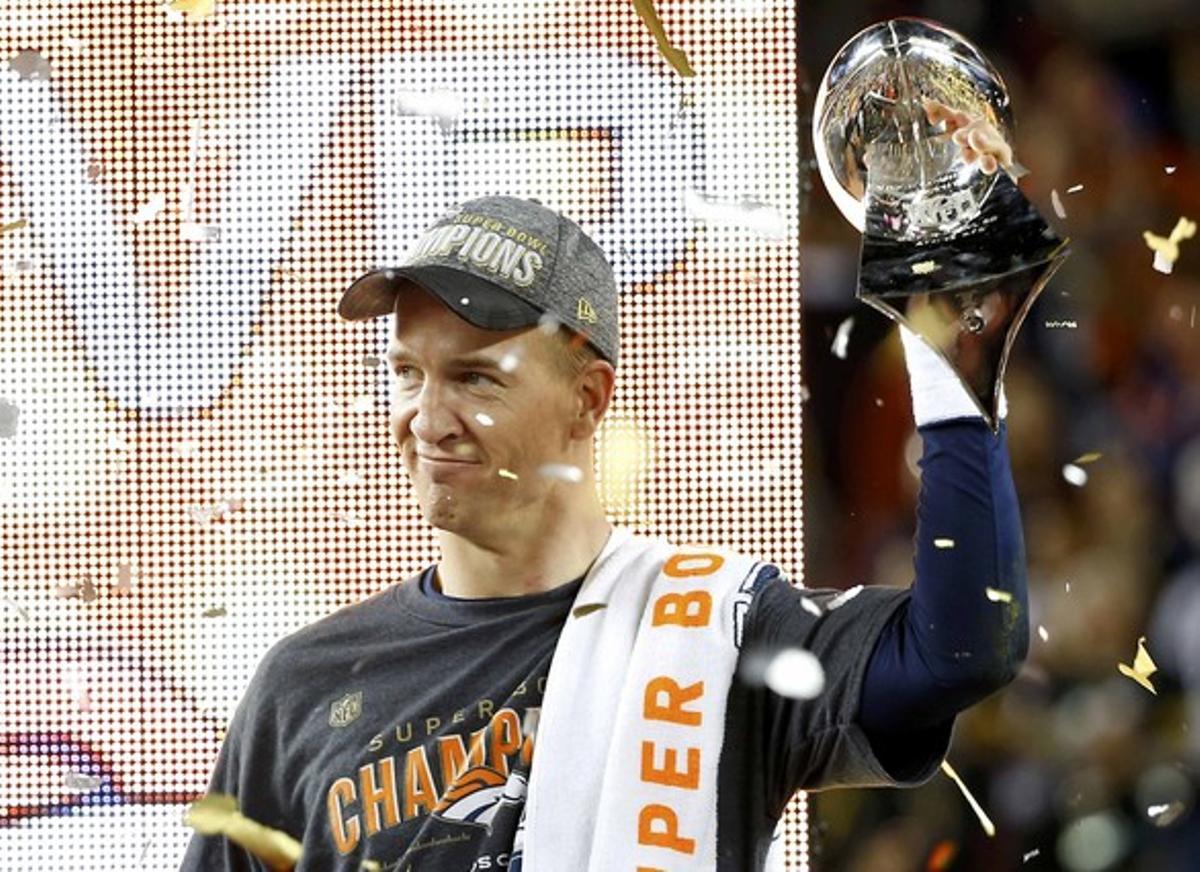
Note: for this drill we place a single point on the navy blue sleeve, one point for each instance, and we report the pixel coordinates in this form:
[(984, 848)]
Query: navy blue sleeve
[(952, 643)]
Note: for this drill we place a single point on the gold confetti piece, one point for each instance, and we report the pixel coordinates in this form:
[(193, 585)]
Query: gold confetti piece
[(1065, 324), (509, 362), (1090, 457), (924, 268), (195, 10), (587, 609), (1042, 632), (214, 612), (12, 226), (485, 419), (370, 866), (217, 814), (999, 596), (988, 826), (676, 58), (1074, 189), (1143, 667), (1030, 855), (1169, 170), (504, 473), (1166, 251), (943, 543)]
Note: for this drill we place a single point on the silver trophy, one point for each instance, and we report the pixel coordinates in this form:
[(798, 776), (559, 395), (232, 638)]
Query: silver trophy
[(955, 254)]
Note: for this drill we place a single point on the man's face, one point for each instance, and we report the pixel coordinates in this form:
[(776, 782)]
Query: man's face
[(475, 414)]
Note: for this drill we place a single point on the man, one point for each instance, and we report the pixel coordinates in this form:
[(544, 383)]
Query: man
[(559, 694)]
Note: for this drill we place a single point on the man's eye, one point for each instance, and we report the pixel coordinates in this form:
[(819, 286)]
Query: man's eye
[(403, 371), (477, 379)]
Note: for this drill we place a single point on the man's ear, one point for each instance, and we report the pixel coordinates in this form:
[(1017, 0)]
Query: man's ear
[(594, 388)]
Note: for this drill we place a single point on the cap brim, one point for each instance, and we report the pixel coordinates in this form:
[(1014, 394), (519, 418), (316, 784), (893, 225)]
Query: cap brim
[(480, 302)]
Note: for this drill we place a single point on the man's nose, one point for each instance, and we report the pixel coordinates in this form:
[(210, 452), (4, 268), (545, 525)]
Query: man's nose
[(435, 418)]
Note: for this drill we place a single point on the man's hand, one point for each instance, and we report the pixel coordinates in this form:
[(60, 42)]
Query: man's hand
[(978, 138)]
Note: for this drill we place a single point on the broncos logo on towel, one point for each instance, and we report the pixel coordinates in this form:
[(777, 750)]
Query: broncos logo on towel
[(478, 793)]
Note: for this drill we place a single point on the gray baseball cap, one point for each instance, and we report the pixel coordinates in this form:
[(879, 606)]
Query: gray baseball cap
[(502, 263)]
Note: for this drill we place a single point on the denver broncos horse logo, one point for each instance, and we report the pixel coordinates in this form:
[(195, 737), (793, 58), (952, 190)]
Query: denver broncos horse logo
[(478, 793)]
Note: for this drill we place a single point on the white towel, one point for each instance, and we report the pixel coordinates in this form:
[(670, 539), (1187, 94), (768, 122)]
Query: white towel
[(599, 760)]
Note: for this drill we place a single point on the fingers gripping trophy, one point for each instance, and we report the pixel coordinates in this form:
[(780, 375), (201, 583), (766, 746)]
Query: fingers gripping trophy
[(913, 135)]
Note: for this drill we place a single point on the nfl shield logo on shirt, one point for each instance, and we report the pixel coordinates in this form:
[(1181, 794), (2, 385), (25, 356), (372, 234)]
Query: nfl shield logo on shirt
[(346, 710)]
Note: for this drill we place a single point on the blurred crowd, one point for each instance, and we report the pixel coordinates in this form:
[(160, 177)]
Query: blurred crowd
[(1080, 768)]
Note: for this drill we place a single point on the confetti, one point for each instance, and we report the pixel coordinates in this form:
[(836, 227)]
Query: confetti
[(214, 612), (12, 226), (1066, 325), (1166, 251), (191, 231), (1143, 667), (150, 209), (842, 338), (988, 826), (1029, 855), (84, 590), (1042, 632), (504, 473), (548, 324), (675, 57), (9, 415), (587, 609), (74, 44), (370, 866), (1056, 202), (1074, 474), (81, 783), (509, 362), (999, 596), (563, 471), (443, 106), (943, 543), (485, 419), (30, 64), (1074, 189), (1090, 457), (1068, 587), (1169, 170), (195, 10), (753, 215), (796, 674), (941, 856), (844, 597), (924, 268), (217, 814), (1167, 813), (810, 606), (19, 609), (124, 578)]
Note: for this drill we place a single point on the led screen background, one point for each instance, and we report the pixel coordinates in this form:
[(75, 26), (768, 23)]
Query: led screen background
[(194, 457)]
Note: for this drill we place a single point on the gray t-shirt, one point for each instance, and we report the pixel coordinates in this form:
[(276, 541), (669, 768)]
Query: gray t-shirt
[(392, 735)]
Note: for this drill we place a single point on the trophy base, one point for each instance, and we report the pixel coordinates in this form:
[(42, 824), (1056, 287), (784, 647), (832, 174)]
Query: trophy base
[(965, 294)]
